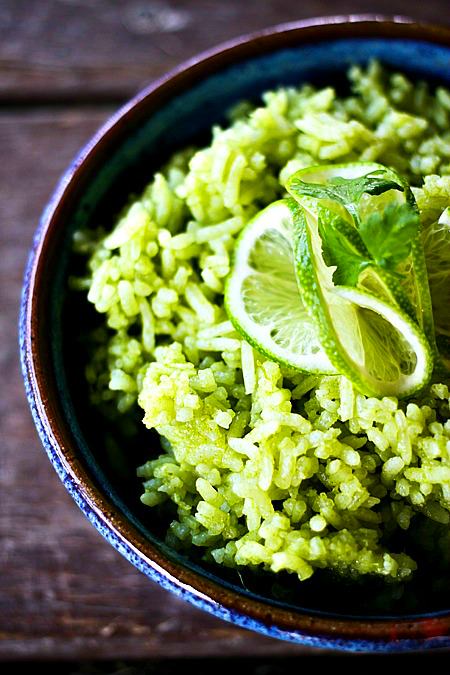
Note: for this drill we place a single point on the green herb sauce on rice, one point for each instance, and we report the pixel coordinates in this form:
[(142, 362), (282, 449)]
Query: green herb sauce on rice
[(266, 466)]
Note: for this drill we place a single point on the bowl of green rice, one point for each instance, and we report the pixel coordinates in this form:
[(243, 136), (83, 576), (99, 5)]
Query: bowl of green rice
[(173, 353)]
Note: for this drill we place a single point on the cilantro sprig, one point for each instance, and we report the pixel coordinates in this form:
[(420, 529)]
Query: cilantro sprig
[(346, 191), (389, 235), (383, 240)]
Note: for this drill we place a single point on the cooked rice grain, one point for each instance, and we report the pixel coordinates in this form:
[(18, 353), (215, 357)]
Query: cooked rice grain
[(264, 466)]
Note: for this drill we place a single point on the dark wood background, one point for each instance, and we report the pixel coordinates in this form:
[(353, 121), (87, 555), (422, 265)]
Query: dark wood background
[(65, 65)]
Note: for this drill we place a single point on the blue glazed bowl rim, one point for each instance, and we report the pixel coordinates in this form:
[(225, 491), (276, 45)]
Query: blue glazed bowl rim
[(346, 634)]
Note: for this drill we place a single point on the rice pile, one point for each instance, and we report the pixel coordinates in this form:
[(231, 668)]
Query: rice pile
[(266, 466)]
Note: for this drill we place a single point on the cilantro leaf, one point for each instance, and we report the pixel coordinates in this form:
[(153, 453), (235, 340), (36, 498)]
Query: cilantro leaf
[(346, 191), (388, 235), (342, 247)]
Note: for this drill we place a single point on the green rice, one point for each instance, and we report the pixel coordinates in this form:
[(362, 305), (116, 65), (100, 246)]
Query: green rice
[(266, 467)]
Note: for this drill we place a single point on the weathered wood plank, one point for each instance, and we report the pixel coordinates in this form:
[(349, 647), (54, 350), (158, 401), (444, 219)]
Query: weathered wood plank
[(73, 50), (64, 592)]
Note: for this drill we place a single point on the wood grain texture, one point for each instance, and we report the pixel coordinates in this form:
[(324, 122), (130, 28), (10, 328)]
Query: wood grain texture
[(64, 592), (78, 50)]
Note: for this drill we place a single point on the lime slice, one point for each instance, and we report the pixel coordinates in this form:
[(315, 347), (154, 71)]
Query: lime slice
[(380, 282), (262, 296), (378, 186), (436, 243), (371, 341)]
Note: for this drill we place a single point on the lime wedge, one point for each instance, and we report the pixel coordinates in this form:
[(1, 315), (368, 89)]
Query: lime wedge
[(372, 342), (262, 296)]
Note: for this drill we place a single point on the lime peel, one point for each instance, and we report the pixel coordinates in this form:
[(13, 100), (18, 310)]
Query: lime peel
[(262, 297)]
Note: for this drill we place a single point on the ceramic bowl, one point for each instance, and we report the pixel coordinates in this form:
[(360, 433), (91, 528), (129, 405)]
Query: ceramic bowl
[(178, 109)]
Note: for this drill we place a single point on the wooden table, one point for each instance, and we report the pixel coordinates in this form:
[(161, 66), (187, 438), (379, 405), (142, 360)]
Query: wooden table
[(64, 67)]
